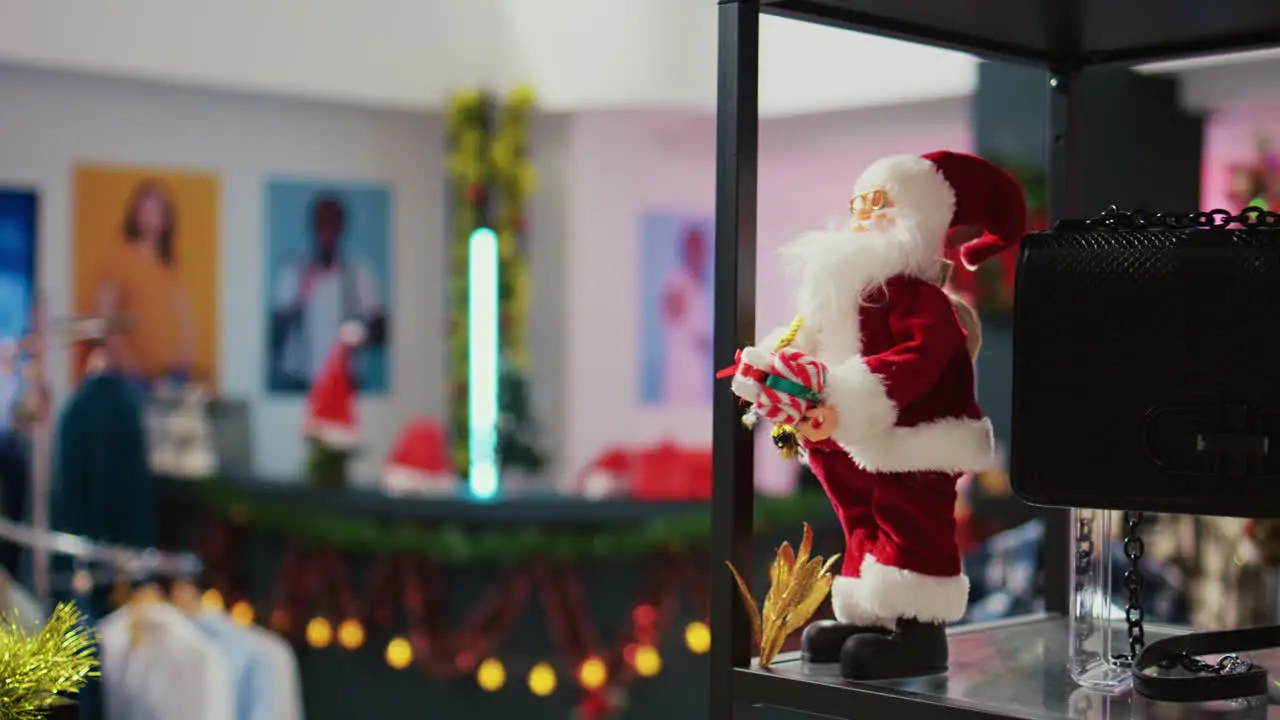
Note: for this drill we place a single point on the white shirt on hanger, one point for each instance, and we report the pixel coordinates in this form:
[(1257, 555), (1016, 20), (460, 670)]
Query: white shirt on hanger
[(168, 671), (18, 605), (287, 685)]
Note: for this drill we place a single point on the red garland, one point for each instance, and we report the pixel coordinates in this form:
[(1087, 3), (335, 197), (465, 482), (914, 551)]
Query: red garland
[(320, 577), (450, 655), (379, 599), (219, 544), (282, 619)]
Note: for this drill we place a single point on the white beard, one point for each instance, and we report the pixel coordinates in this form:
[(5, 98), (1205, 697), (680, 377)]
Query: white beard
[(834, 271), (837, 266)]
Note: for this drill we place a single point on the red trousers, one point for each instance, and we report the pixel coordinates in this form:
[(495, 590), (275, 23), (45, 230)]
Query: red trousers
[(902, 558)]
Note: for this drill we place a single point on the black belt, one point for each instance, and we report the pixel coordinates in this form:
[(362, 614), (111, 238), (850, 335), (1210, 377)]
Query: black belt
[(1229, 678)]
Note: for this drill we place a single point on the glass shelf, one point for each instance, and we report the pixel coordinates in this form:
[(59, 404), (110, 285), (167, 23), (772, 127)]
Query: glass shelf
[(1013, 669)]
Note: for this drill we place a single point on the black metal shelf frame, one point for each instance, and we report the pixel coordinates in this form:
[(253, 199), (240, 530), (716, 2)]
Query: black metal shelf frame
[(1070, 35)]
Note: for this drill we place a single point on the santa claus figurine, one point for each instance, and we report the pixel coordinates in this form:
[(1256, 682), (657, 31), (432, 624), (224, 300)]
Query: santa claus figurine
[(896, 423)]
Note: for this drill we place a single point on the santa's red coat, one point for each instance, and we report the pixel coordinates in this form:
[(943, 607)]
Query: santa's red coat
[(901, 381), (908, 425)]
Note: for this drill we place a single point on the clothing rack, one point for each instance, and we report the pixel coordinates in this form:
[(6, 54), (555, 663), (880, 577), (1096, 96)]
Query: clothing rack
[(131, 561), (62, 333)]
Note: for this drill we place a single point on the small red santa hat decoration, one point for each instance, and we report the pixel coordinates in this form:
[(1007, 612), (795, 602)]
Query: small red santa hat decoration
[(418, 464), (331, 417), (940, 191)]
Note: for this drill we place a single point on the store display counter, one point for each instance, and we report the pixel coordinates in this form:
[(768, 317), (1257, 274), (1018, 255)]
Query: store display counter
[(530, 508), (1010, 669)]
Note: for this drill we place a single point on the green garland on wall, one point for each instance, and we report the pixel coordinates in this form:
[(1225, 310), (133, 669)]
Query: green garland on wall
[(470, 173), (458, 544), (514, 181)]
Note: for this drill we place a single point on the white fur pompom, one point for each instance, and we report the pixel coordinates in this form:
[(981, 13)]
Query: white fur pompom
[(351, 332)]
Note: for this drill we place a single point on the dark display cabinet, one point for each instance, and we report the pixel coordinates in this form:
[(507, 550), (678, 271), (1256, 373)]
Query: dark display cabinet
[(1015, 669)]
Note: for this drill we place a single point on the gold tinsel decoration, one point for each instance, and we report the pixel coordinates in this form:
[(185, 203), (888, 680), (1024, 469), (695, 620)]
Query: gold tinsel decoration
[(797, 586), (39, 670), (514, 179), (470, 173)]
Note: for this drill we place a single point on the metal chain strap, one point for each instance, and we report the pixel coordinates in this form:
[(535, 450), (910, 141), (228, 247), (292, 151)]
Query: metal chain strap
[(1134, 612), (1134, 615), (1114, 218), (1226, 665)]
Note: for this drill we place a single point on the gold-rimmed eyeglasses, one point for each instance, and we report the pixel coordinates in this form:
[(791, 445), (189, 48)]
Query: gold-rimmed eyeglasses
[(869, 202)]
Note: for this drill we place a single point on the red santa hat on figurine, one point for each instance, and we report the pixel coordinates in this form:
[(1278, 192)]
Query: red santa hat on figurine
[(331, 403), (932, 198), (418, 464)]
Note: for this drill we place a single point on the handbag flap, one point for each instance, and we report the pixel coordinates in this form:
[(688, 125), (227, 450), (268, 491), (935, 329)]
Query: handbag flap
[(1147, 368)]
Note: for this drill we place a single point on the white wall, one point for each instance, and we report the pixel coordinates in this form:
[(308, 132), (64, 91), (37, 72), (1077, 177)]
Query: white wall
[(626, 164), (579, 54), (51, 121)]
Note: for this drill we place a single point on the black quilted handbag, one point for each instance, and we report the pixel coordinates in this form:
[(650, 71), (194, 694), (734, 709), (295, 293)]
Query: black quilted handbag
[(1146, 377), (1146, 372)]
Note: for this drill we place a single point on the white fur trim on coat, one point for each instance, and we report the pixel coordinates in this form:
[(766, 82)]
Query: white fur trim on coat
[(402, 480), (849, 606), (334, 434), (883, 595), (947, 445), (863, 408)]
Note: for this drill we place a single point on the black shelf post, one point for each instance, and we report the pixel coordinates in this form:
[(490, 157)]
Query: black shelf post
[(1066, 199), (737, 131)]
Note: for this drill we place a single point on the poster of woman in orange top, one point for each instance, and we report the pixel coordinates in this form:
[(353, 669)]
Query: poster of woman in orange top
[(146, 252)]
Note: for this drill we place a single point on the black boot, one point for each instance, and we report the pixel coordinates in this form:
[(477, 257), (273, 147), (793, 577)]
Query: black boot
[(913, 650), (822, 639)]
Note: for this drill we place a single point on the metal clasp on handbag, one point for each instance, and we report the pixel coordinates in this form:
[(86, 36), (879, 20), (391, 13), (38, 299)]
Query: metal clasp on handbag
[(1230, 439), (1239, 441)]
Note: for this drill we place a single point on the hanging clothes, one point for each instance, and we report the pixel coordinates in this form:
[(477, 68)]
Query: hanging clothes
[(101, 487), (247, 665), (285, 688), (15, 491), (157, 665), (18, 605)]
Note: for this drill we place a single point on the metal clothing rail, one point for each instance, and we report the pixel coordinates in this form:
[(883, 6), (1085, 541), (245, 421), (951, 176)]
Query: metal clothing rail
[(127, 560), (36, 346)]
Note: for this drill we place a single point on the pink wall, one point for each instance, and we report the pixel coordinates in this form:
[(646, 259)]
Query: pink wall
[(1230, 137), (624, 164)]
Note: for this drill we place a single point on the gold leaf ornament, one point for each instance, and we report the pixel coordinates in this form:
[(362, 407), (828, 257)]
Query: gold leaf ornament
[(798, 584)]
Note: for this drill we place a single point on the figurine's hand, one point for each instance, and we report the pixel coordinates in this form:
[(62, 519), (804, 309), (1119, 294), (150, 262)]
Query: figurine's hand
[(819, 423)]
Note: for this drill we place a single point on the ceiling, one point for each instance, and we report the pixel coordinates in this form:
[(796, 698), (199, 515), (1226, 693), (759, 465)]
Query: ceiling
[(577, 54)]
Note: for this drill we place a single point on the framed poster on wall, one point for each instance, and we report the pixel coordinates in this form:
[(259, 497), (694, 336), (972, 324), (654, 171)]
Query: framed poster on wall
[(19, 212), (19, 220), (676, 309), (146, 248), (328, 260)]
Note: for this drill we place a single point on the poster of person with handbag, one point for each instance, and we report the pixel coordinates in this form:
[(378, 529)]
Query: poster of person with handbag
[(328, 262)]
